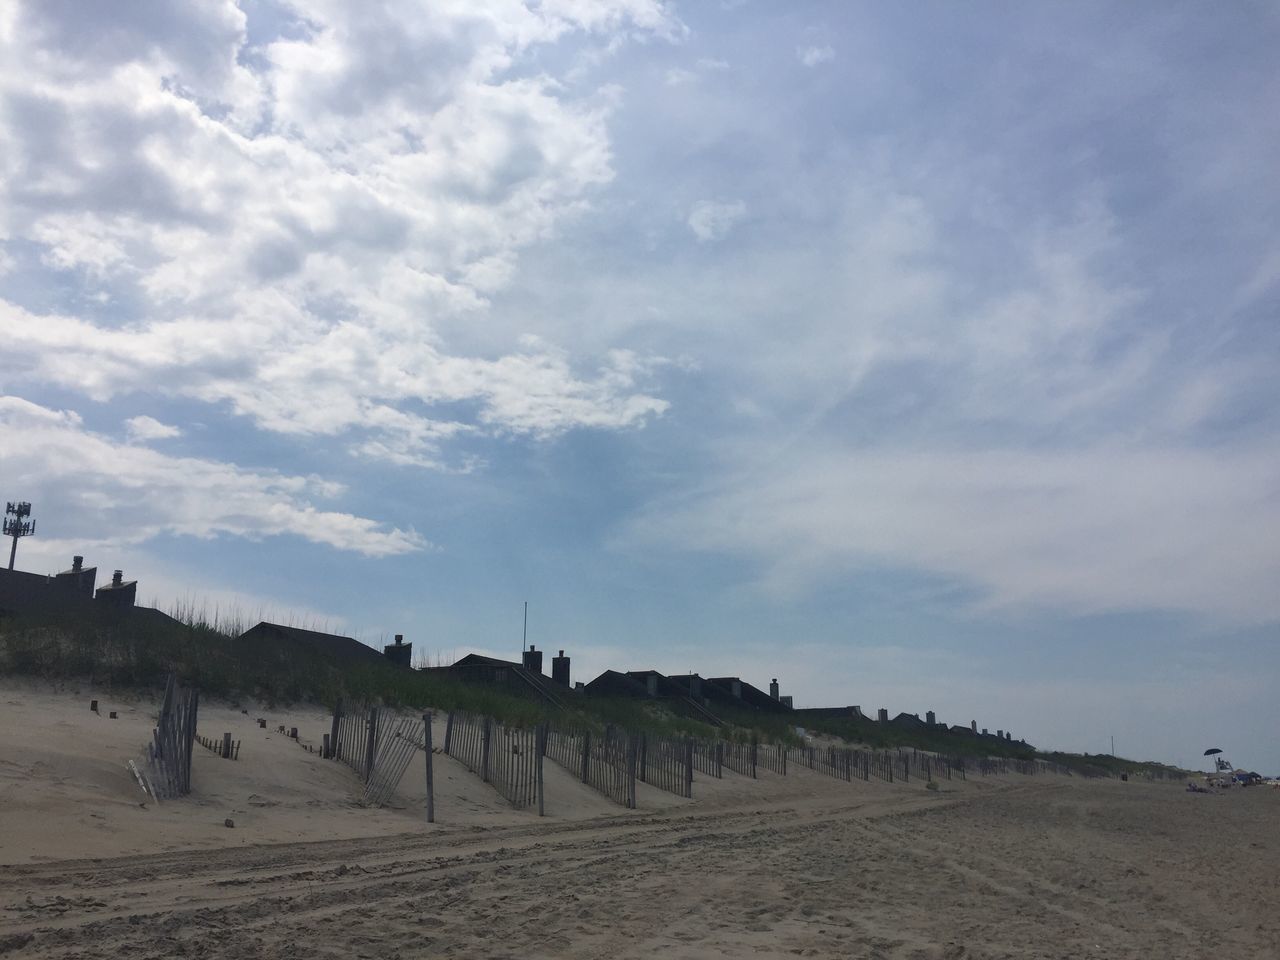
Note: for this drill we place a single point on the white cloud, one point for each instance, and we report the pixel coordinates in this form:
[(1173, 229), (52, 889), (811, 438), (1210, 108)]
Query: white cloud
[(710, 220), (146, 428), (1108, 527), (292, 223), (812, 56), (133, 493)]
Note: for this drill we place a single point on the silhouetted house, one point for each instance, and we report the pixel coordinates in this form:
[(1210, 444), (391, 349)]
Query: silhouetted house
[(736, 692), (910, 721), (119, 592), (342, 650), (69, 593), (828, 713), (651, 685), (399, 653), (79, 579), (506, 675), (966, 731)]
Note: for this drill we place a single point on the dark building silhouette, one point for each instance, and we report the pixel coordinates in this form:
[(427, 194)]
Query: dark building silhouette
[(882, 715), (532, 659), (79, 578), (119, 592), (560, 669), (506, 675), (345, 650), (399, 653)]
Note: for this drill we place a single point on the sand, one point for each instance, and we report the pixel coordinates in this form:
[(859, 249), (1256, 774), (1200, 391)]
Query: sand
[(778, 867)]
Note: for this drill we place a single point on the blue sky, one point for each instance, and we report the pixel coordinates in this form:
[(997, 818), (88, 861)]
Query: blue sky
[(919, 356)]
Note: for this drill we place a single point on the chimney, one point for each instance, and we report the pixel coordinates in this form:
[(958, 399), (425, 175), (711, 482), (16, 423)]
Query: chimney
[(77, 564), (560, 669), (1000, 734), (533, 659), (1008, 735), (985, 733), (973, 725), (882, 715), (399, 653), (931, 718), (117, 578), (773, 688)]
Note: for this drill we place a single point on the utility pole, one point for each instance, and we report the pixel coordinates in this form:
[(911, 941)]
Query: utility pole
[(17, 525), (1113, 745)]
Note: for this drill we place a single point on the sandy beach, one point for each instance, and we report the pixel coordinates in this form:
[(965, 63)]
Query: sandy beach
[(778, 867)]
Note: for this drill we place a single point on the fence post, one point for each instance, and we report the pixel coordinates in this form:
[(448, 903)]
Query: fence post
[(720, 759), (632, 750), (332, 750), (753, 756), (448, 734), (226, 746), (541, 751), (371, 743), (782, 752), (431, 792), (485, 738), (324, 750), (586, 756), (688, 767)]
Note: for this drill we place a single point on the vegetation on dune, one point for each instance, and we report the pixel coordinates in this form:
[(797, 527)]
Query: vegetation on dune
[(138, 651)]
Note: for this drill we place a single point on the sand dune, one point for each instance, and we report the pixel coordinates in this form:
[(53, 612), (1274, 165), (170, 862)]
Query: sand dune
[(780, 867)]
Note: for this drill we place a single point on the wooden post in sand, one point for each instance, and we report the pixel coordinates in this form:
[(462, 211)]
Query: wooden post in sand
[(719, 759), (688, 767), (586, 756), (324, 749), (448, 733), (754, 748), (226, 746), (431, 793), (332, 749), (371, 743), (484, 748), (537, 765), (633, 750), (642, 756)]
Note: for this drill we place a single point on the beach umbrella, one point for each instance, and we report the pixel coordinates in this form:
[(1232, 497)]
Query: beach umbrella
[(1212, 750)]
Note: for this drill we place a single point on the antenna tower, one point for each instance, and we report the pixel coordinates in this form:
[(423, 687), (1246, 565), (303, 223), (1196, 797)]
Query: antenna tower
[(17, 525)]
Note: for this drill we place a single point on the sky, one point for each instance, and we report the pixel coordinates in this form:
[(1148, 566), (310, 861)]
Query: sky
[(922, 356)]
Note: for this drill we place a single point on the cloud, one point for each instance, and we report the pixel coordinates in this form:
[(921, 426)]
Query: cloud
[(102, 489), (1106, 527), (812, 56), (285, 227), (711, 221), (146, 428)]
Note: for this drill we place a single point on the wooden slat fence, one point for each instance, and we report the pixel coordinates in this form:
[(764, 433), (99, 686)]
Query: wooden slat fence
[(509, 758), (355, 739), (164, 769), (399, 740), (740, 757), (665, 763), (606, 761), (772, 756), (708, 757)]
